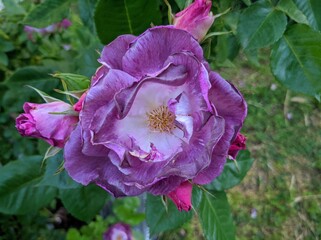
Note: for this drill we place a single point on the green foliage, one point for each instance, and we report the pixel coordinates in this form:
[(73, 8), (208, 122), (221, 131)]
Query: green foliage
[(296, 60), (260, 25), (19, 193), (311, 9), (35, 76), (55, 177), (215, 216), (233, 173), (160, 218), (3, 59), (181, 4), (86, 11), (126, 210), (73, 81), (116, 17), (84, 202), (12, 7), (47, 13), (93, 231), (289, 7)]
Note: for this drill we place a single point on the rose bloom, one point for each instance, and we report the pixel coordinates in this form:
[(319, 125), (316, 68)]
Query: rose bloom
[(118, 231), (44, 121), (155, 116)]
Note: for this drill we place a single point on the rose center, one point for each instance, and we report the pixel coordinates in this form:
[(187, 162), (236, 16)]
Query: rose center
[(161, 119)]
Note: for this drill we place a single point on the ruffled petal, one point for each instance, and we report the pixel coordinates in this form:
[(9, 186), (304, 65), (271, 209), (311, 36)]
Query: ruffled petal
[(219, 156), (78, 166), (228, 102), (158, 44), (113, 53), (102, 93), (231, 105), (197, 155), (95, 169)]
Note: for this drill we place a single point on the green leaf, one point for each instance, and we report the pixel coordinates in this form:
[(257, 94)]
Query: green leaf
[(181, 4), (296, 60), (116, 17), (47, 13), (289, 7), (233, 172), (247, 2), (18, 93), (86, 12), (84, 202), (159, 220), (6, 46), (51, 152), (126, 210), (11, 7), (4, 35), (53, 177), (312, 10), (3, 59), (35, 76), (19, 193), (45, 96), (260, 25), (215, 216), (73, 82)]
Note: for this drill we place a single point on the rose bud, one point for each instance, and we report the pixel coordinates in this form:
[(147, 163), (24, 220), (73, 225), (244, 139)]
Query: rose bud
[(47, 121), (196, 18), (182, 196), (118, 231), (238, 144), (78, 106)]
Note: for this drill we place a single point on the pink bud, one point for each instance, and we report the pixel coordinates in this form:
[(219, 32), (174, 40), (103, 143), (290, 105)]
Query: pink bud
[(65, 23), (196, 18), (238, 144), (182, 196), (78, 106), (40, 121)]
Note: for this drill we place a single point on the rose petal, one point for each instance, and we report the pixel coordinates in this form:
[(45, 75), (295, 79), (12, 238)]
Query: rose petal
[(113, 53), (232, 107), (158, 44), (99, 170)]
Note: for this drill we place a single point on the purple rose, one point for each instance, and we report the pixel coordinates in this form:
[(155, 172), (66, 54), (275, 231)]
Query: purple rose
[(155, 116), (118, 231), (196, 18), (40, 121)]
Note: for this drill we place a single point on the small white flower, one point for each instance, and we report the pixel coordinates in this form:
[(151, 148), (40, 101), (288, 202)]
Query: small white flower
[(253, 213), (273, 87)]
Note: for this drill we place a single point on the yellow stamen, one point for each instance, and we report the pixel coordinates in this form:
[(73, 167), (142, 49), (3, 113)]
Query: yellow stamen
[(161, 119)]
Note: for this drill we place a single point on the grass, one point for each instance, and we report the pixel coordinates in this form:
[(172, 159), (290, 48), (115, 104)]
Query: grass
[(283, 186)]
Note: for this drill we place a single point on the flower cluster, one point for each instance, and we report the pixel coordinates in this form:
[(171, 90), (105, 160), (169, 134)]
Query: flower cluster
[(155, 118)]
